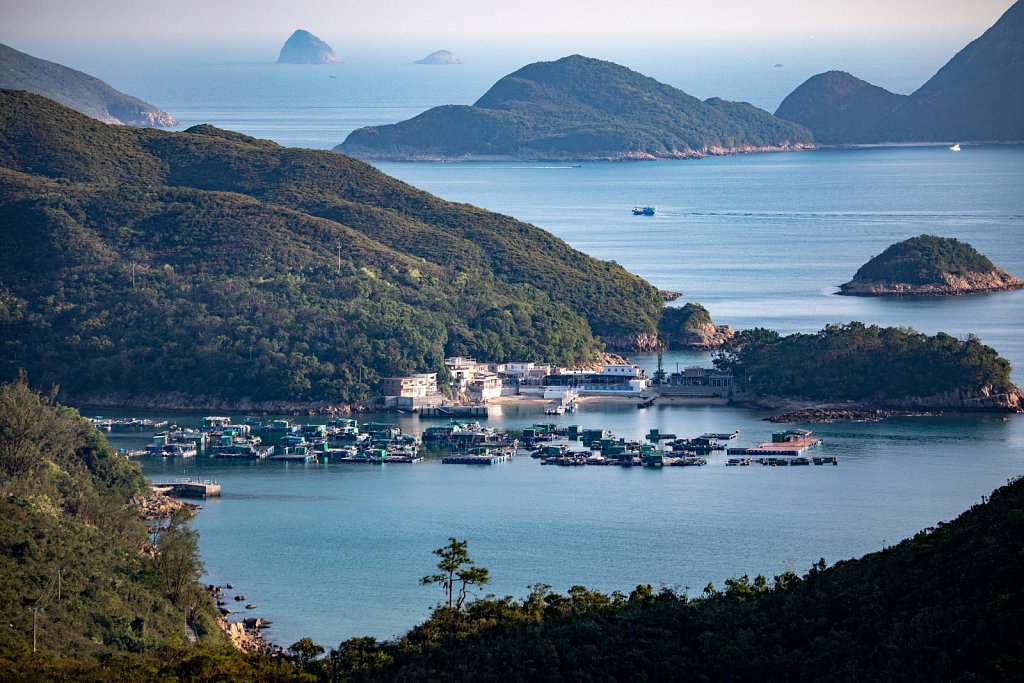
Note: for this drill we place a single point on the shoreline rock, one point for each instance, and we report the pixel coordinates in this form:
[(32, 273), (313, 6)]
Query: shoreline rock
[(788, 409), (952, 285)]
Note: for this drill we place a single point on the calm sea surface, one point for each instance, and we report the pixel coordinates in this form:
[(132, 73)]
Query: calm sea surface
[(335, 550)]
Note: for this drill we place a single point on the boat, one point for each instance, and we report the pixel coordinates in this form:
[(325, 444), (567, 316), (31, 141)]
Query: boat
[(643, 211), (956, 147)]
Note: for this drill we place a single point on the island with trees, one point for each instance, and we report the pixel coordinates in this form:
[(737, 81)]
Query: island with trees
[(579, 108), (929, 265), (871, 367)]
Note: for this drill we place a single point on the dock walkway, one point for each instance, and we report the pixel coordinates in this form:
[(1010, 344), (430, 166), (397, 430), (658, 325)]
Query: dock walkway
[(188, 488)]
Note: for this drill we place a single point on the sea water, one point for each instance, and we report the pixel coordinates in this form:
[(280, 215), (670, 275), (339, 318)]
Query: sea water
[(335, 550)]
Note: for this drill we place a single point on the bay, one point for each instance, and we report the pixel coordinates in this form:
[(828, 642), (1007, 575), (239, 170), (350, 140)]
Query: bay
[(334, 551)]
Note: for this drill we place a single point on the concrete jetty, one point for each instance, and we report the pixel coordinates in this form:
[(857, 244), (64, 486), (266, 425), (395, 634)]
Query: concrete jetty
[(188, 488)]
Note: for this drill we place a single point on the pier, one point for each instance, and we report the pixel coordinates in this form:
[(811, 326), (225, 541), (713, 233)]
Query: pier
[(188, 488)]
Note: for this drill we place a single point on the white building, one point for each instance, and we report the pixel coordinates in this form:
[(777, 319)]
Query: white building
[(410, 392)]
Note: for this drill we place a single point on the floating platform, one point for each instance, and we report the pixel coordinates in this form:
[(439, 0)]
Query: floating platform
[(777, 448), (453, 411), (188, 488), (474, 459), (294, 457)]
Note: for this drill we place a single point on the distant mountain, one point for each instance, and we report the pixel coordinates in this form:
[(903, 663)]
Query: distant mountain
[(579, 108), (135, 263), (77, 90), (440, 57), (305, 48), (929, 265), (977, 96)]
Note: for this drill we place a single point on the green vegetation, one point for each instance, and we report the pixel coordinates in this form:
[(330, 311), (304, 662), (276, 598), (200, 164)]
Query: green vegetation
[(137, 262), (975, 96), (924, 260), (455, 567), (860, 362), (578, 108), (81, 92)]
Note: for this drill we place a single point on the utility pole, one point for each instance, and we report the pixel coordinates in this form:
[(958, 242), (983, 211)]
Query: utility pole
[(339, 257), (35, 615), (60, 573)]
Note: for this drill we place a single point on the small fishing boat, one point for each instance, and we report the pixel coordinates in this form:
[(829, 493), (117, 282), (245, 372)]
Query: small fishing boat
[(643, 211), (956, 147)]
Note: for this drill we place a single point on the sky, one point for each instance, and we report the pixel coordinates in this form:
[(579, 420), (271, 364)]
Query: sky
[(486, 20)]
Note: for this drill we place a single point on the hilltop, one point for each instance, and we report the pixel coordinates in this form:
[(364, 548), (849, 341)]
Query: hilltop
[(929, 265), (579, 108), (302, 47), (976, 96), (77, 90), (207, 262)]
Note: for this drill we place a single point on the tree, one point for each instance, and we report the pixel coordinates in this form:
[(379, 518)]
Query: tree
[(456, 567)]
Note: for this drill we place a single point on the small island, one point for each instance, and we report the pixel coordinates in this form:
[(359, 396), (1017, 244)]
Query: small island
[(305, 48), (931, 266), (691, 327), (439, 57)]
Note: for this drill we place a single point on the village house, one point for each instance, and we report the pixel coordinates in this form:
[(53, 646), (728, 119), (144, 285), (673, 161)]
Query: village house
[(409, 393)]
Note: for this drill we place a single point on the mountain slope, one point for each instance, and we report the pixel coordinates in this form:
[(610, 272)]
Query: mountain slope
[(976, 96), (578, 108), (208, 262), (74, 89)]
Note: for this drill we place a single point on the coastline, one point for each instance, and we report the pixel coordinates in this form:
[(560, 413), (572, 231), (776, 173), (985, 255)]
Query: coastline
[(371, 156)]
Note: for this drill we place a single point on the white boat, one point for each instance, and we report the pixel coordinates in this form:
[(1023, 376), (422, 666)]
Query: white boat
[(956, 147)]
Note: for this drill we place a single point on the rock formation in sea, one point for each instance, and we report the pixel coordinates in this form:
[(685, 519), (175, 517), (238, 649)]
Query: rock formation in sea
[(976, 96), (79, 91), (439, 57), (305, 48)]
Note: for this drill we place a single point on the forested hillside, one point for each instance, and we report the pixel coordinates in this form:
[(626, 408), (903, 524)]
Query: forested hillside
[(208, 262)]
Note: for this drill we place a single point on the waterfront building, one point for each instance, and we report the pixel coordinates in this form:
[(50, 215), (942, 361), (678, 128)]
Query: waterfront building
[(411, 392), (614, 378)]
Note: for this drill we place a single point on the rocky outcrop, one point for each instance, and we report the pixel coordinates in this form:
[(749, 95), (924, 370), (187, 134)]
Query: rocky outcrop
[(439, 57), (703, 337), (305, 48), (159, 506), (968, 283), (641, 341), (793, 409)]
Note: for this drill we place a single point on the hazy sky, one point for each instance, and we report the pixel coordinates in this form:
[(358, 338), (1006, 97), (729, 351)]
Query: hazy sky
[(366, 20)]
